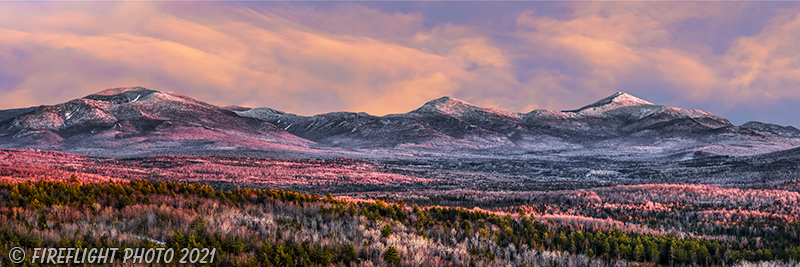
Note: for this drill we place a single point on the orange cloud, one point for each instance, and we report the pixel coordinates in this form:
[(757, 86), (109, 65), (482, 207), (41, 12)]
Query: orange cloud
[(623, 28), (405, 95), (625, 43), (351, 57), (266, 61), (767, 65), (697, 79), (354, 20)]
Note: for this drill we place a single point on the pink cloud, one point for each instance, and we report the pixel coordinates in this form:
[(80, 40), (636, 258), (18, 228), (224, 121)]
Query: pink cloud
[(767, 65), (265, 60), (356, 58), (354, 20), (620, 43)]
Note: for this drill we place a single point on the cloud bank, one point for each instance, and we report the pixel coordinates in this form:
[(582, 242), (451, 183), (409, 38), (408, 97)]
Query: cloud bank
[(309, 58)]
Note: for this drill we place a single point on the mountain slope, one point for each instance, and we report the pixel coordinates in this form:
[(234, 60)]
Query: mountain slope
[(441, 123), (131, 121), (139, 120), (618, 124), (621, 114)]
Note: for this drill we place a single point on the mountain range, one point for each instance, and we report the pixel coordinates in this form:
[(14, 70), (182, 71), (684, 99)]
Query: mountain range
[(139, 121)]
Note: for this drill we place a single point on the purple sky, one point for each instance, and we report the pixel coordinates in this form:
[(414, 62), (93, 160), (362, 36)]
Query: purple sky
[(740, 60)]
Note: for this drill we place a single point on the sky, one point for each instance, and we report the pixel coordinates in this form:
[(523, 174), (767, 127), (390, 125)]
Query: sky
[(739, 60)]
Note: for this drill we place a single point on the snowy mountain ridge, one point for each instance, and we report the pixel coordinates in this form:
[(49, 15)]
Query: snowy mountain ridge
[(137, 120)]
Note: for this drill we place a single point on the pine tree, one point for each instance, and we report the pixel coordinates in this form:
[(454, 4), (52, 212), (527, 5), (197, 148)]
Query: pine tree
[(654, 253), (639, 253), (467, 226), (386, 231), (392, 256)]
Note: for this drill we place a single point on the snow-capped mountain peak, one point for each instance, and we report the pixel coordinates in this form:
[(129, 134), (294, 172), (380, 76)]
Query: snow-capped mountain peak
[(122, 95), (614, 101), (446, 105), (120, 90), (460, 109)]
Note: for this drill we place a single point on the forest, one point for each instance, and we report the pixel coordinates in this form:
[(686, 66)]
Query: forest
[(269, 227)]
